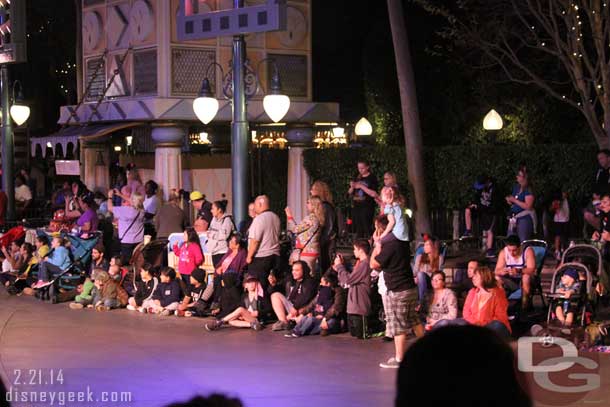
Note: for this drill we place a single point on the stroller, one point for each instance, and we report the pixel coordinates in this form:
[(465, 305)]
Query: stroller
[(75, 274), (587, 261)]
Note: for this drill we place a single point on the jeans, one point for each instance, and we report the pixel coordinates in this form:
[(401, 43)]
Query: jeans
[(423, 284), (524, 228), (496, 326), (45, 268), (110, 302), (261, 267), (126, 252), (312, 326)]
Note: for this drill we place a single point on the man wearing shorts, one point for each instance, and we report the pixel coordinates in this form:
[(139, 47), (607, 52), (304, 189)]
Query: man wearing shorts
[(484, 207), (401, 300)]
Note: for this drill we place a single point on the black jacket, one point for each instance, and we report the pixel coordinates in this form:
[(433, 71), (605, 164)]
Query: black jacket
[(329, 230), (301, 293)]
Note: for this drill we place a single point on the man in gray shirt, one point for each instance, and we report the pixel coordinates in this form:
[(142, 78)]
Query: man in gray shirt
[(263, 241)]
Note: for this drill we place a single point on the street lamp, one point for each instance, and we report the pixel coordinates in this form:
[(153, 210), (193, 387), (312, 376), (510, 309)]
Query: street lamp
[(275, 104), (19, 111), (493, 121), (363, 127), (206, 105)]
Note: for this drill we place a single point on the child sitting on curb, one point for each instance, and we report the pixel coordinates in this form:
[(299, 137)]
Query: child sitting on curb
[(144, 290), (106, 296), (195, 302), (166, 297)]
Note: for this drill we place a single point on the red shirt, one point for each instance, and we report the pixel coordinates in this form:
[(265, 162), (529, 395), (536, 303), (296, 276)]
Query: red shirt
[(480, 311)]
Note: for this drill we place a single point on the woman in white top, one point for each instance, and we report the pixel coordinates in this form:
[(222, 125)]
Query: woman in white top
[(219, 232), (442, 303)]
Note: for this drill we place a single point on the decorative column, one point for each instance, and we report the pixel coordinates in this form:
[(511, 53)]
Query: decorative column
[(95, 166), (168, 159), (298, 183)]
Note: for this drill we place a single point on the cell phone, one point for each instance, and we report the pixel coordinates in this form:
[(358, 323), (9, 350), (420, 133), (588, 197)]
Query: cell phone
[(210, 279)]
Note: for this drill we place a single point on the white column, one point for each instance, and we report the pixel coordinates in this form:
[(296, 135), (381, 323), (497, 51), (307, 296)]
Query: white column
[(298, 183), (95, 166), (168, 158)]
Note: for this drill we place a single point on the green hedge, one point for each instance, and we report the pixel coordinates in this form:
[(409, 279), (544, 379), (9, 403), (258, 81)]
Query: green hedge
[(451, 171)]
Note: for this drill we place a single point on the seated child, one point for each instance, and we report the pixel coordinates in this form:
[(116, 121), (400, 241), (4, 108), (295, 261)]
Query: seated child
[(166, 297), (569, 285), (115, 273), (144, 290), (322, 315), (230, 296), (195, 301), (106, 295), (87, 291), (252, 312)]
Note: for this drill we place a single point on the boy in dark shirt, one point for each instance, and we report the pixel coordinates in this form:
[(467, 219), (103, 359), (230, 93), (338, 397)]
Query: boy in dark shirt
[(195, 302), (166, 297), (484, 207)]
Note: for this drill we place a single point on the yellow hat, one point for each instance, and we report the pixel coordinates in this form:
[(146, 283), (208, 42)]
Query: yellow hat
[(196, 195)]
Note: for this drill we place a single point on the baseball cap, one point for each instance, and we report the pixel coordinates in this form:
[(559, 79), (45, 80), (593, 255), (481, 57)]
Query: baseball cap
[(196, 196)]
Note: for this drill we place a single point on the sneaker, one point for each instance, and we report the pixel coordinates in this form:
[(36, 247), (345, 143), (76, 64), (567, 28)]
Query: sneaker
[(41, 284), (165, 313), (387, 339), (102, 308), (76, 305), (291, 335), (131, 307), (392, 363), (179, 313), (256, 325), (214, 325), (490, 254), (324, 332), (188, 314), (280, 326)]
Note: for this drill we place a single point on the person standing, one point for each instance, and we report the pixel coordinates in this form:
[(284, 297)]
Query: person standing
[(151, 207), (263, 241), (204, 211), (401, 300), (221, 228), (330, 227), (170, 218), (363, 191), (131, 223)]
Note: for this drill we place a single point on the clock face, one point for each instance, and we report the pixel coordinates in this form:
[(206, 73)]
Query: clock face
[(141, 20), (92, 30), (296, 27)]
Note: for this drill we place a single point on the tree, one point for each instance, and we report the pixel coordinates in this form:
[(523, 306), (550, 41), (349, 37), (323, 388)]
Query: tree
[(410, 114), (559, 46)]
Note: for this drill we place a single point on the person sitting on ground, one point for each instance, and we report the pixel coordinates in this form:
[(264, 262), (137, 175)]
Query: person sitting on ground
[(479, 367), (221, 227), (87, 291), (97, 259), (400, 301), (19, 280), (115, 272), (425, 265), (522, 220), (166, 298), (603, 235), (397, 225), (13, 257), (230, 296), (170, 218), (252, 313), (323, 314), (516, 268), (56, 262), (486, 304), (441, 303), (358, 284), (106, 295), (307, 233), (195, 302), (569, 286), (189, 253), (299, 292), (484, 206), (233, 260), (144, 289)]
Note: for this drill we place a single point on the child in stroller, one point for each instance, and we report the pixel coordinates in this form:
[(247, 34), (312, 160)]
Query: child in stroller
[(569, 287)]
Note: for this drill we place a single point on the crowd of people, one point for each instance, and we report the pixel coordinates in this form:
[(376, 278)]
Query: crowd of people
[(321, 291)]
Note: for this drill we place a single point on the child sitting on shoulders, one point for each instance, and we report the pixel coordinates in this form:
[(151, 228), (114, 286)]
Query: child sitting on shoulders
[(569, 285), (144, 289), (166, 297), (397, 225), (254, 309)]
